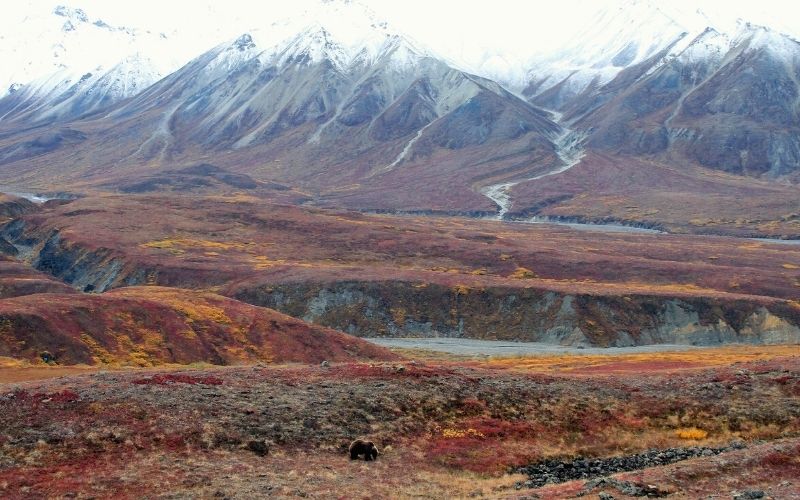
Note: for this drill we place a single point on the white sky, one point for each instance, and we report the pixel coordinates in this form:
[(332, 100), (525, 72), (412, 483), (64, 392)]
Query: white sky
[(451, 27)]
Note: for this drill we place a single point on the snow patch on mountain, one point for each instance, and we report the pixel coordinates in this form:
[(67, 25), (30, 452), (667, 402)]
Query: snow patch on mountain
[(782, 47), (616, 39), (346, 33), (636, 31), (66, 50), (49, 49)]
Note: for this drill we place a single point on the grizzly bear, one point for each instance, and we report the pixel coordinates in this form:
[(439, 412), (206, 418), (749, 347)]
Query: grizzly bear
[(361, 447)]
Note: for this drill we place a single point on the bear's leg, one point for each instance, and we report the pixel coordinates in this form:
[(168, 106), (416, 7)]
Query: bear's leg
[(353, 455)]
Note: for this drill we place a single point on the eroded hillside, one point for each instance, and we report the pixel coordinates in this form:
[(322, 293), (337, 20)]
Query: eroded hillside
[(390, 275)]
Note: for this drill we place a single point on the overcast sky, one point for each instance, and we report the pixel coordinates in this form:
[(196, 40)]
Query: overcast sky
[(516, 27), (495, 18)]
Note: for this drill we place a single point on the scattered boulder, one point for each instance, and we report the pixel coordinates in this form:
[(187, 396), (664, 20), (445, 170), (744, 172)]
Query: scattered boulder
[(749, 495), (625, 487), (557, 471)]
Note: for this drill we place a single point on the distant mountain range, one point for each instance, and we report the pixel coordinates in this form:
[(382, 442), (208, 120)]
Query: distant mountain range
[(353, 112)]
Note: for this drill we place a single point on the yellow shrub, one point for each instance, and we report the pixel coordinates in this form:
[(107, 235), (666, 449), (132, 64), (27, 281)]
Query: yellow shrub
[(99, 353), (460, 433), (398, 315), (522, 273), (691, 433)]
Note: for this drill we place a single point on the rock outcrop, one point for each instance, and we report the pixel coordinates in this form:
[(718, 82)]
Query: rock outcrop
[(401, 309)]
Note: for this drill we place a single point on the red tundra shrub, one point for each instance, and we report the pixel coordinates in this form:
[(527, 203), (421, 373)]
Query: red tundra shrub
[(168, 378), (778, 459), (362, 370), (65, 396)]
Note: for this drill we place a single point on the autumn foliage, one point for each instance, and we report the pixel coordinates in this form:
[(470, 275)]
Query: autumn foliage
[(148, 326)]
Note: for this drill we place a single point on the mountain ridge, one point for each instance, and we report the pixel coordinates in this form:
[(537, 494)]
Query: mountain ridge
[(355, 113)]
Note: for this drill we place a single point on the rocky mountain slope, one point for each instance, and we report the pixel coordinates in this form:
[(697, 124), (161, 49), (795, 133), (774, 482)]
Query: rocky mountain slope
[(726, 104), (680, 88), (323, 109)]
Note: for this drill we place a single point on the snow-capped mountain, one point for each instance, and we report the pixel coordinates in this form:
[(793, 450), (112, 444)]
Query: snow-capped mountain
[(616, 39), (66, 94), (345, 99), (347, 106), (75, 64), (372, 104), (649, 79), (629, 34), (346, 33), (725, 102)]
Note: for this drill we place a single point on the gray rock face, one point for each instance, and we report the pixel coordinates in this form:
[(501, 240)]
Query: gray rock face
[(401, 310), (95, 271), (483, 118), (413, 109), (367, 102)]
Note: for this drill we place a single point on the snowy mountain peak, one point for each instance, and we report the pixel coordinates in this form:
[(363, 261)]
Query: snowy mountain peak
[(616, 38), (67, 42), (344, 33), (62, 62), (231, 55), (631, 33), (762, 37), (782, 47), (244, 42), (709, 43), (317, 43)]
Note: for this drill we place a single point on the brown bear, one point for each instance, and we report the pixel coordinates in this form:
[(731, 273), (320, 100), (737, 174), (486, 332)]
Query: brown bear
[(361, 447)]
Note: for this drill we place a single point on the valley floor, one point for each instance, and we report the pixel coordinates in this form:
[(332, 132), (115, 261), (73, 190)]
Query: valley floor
[(474, 347), (446, 426)]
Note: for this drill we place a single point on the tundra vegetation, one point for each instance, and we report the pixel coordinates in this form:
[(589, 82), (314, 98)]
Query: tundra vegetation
[(445, 426), (192, 346)]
